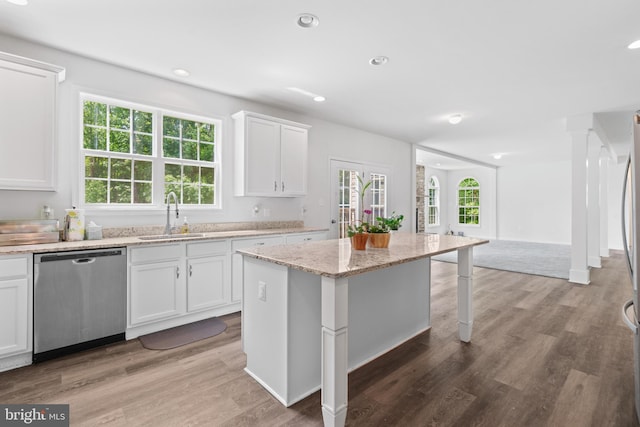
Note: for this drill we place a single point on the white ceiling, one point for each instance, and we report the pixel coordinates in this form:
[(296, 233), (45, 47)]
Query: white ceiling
[(515, 69)]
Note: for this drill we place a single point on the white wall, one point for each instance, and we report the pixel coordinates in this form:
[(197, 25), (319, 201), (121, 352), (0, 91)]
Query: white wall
[(534, 202), (325, 140)]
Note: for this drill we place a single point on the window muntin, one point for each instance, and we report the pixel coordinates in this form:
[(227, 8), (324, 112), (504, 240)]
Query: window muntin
[(433, 202), (124, 164), (469, 202)]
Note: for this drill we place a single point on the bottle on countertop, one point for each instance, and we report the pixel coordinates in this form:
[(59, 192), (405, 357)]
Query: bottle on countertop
[(185, 226)]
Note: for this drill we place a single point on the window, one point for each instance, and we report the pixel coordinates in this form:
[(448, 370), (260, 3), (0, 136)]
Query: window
[(469, 201), (433, 202), (126, 164), (378, 196)]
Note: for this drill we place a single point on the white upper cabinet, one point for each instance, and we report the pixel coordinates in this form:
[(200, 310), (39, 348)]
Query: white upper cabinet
[(270, 157), (28, 123)]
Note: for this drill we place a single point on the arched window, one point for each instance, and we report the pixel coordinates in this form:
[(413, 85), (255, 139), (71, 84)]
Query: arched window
[(469, 201), (433, 202)]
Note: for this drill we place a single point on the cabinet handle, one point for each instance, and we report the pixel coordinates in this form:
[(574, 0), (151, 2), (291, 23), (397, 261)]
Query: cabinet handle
[(190, 270), (260, 244), (306, 239), (283, 186), (275, 185), (177, 272)]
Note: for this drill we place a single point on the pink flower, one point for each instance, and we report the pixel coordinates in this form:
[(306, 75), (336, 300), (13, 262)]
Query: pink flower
[(368, 211)]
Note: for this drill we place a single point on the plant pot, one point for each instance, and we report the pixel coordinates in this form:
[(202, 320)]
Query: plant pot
[(359, 241), (379, 240)]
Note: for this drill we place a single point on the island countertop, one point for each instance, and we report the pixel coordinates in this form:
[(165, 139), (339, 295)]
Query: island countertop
[(336, 259)]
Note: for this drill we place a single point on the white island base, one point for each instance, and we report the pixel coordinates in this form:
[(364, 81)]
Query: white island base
[(305, 330), (282, 337)]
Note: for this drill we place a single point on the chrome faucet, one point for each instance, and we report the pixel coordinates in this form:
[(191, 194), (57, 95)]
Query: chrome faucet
[(167, 228)]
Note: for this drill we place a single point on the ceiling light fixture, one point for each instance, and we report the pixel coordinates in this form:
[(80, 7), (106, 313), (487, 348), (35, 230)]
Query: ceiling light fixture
[(455, 119), (314, 96), (379, 60), (634, 45), (19, 2), (307, 20), (497, 156), (181, 72)]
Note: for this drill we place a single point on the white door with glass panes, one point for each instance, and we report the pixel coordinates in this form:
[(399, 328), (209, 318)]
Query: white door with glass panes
[(347, 207)]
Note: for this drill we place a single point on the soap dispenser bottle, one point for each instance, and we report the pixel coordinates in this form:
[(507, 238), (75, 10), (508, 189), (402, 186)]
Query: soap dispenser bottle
[(185, 226)]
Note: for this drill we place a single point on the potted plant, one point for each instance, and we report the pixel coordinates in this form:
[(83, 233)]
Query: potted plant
[(393, 222), (359, 232), (379, 235)]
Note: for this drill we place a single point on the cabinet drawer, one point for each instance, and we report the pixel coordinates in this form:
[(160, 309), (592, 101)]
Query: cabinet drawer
[(14, 267), (155, 253), (206, 248), (306, 237), (261, 241)]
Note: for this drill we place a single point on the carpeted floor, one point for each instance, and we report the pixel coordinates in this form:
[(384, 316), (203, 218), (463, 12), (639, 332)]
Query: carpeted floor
[(543, 259)]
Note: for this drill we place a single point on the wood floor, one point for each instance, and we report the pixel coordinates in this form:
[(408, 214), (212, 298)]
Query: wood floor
[(544, 353)]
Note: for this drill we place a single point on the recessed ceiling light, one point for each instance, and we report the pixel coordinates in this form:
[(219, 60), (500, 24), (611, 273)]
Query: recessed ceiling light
[(19, 2), (181, 72), (634, 45), (455, 119), (497, 156), (307, 20), (314, 96), (378, 60)]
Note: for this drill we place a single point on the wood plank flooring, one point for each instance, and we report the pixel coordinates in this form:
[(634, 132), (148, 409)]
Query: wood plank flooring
[(544, 353)]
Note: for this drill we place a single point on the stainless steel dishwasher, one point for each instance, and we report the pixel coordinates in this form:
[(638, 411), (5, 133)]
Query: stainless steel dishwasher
[(79, 300)]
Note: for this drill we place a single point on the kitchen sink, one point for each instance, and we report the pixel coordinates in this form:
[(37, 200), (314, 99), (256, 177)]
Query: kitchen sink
[(171, 236)]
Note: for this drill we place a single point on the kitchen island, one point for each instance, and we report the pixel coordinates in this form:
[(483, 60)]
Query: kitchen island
[(313, 312)]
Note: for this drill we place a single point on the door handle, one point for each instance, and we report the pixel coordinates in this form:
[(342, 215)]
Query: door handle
[(625, 317), (82, 261), (177, 272), (333, 221)]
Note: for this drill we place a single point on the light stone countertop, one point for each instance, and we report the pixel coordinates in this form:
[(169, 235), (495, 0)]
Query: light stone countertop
[(335, 259), (128, 240)]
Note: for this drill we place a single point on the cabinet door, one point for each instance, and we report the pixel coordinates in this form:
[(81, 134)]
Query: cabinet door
[(27, 127), (206, 282), (293, 161), (14, 316), (262, 151), (157, 291)]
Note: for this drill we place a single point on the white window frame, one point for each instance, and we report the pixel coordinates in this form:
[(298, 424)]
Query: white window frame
[(157, 158), (458, 206), (436, 205)]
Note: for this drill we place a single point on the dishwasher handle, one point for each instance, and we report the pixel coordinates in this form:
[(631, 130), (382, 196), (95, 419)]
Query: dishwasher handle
[(83, 261)]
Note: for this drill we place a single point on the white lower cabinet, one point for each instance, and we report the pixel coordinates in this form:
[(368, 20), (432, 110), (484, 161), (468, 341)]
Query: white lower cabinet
[(16, 301), (157, 291), (208, 277), (172, 284), (177, 283)]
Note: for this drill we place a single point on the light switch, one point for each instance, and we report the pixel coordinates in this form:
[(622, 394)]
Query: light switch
[(262, 291)]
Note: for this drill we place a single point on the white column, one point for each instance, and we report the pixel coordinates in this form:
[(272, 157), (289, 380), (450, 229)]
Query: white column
[(335, 319), (465, 291), (604, 203), (593, 201), (579, 272)]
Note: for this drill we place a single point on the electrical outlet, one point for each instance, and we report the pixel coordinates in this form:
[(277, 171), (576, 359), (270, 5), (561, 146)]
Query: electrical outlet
[(262, 291)]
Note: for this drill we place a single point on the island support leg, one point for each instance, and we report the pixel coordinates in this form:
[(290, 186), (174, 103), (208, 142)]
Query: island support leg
[(465, 290), (335, 319)]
